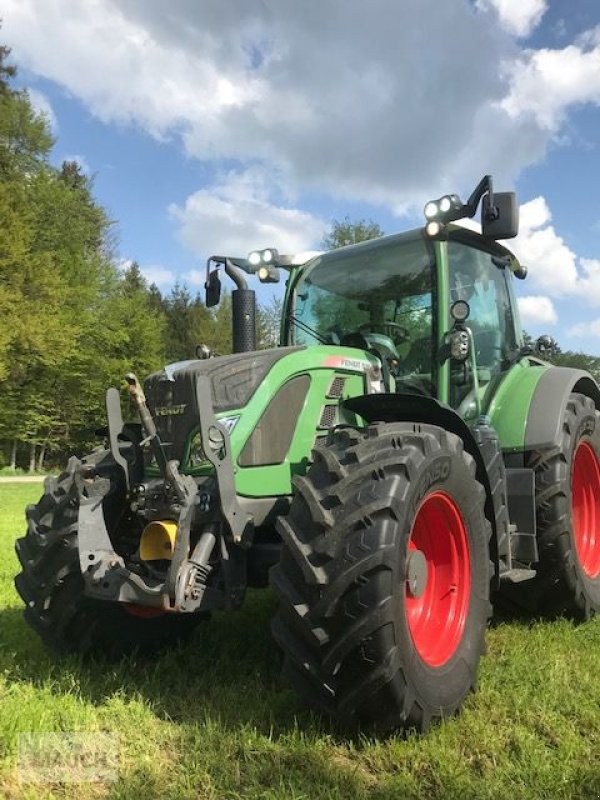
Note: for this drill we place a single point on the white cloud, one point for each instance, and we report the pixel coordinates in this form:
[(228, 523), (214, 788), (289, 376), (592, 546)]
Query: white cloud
[(546, 83), (307, 94), (237, 214), (518, 17), (585, 329), (81, 161), (161, 276), (42, 105), (552, 264), (553, 267), (309, 97), (123, 264), (537, 310), (196, 277), (153, 273)]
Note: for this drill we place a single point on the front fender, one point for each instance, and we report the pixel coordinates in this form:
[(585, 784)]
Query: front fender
[(422, 409)]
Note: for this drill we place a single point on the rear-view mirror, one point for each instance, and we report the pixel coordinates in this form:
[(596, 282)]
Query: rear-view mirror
[(213, 289), (503, 223)]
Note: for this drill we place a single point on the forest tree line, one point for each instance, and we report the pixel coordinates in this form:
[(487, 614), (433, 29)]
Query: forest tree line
[(72, 321)]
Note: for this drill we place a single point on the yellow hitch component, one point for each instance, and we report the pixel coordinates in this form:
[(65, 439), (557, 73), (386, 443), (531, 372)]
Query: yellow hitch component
[(158, 540)]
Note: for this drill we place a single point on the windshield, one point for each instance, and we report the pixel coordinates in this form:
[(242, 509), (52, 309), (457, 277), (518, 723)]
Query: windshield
[(375, 296)]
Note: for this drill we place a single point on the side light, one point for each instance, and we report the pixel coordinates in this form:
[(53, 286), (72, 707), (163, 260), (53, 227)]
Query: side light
[(459, 345)]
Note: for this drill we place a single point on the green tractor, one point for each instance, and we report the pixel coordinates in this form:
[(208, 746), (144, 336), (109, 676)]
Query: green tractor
[(398, 463)]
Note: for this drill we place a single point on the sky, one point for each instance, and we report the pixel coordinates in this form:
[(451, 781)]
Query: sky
[(221, 126)]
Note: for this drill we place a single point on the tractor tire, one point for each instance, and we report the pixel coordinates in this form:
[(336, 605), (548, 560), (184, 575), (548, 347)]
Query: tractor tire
[(52, 588), (370, 635), (567, 490)]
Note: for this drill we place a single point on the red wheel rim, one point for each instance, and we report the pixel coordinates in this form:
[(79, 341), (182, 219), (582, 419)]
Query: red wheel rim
[(436, 619), (144, 612), (585, 507)]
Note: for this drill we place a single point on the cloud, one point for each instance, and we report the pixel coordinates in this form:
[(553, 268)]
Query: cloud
[(42, 106), (307, 94), (553, 266), (585, 329), (123, 264), (153, 273), (537, 310), (518, 17), (196, 277), (161, 276), (546, 83), (80, 160), (237, 214)]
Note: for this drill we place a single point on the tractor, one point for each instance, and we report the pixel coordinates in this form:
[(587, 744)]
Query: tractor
[(397, 466)]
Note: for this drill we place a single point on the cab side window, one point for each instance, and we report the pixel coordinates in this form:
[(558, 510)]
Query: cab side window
[(475, 277)]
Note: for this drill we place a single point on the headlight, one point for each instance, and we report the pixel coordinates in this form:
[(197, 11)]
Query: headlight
[(197, 455)]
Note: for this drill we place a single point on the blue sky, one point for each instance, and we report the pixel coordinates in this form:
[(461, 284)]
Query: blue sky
[(224, 126)]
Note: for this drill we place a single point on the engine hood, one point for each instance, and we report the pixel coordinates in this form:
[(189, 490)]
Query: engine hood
[(171, 393)]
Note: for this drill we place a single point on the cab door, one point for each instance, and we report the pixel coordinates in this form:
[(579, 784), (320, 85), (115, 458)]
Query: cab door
[(482, 278)]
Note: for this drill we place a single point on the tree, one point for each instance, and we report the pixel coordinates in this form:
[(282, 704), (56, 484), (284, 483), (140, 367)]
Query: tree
[(347, 232), (268, 323), (7, 71)]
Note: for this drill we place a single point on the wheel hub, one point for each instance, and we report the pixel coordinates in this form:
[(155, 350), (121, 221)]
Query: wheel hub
[(416, 573)]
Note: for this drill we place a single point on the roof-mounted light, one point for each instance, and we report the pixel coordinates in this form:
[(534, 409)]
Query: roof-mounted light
[(446, 209), (431, 210), (259, 257), (499, 210), (254, 258)]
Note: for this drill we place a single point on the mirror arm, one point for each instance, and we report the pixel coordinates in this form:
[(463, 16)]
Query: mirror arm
[(484, 185), (231, 268)]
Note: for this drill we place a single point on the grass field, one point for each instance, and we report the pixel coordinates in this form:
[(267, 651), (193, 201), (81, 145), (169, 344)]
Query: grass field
[(213, 720)]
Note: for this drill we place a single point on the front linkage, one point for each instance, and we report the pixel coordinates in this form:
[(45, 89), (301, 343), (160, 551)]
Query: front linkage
[(212, 503)]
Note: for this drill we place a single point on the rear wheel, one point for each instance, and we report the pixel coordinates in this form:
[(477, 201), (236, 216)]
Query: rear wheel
[(567, 483), (52, 588), (384, 577)]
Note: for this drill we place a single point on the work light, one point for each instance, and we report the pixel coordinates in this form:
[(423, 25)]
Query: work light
[(268, 274), (258, 257), (254, 258), (434, 228), (431, 210)]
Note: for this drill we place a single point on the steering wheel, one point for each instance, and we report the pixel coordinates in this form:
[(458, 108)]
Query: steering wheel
[(387, 328)]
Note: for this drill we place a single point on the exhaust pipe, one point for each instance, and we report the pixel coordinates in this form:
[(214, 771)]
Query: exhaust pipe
[(243, 320), (243, 311)]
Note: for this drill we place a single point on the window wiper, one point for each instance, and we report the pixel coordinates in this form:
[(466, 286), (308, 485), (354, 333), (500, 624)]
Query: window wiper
[(307, 329)]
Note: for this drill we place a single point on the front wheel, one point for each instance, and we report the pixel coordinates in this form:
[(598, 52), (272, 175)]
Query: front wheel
[(384, 577), (51, 586)]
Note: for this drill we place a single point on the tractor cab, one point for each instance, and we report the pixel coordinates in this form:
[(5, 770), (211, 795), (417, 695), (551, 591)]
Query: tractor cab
[(411, 301)]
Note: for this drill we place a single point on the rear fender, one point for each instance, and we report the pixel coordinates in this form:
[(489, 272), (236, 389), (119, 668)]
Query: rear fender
[(543, 429)]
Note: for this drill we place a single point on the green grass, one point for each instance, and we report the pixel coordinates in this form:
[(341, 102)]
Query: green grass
[(212, 720)]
